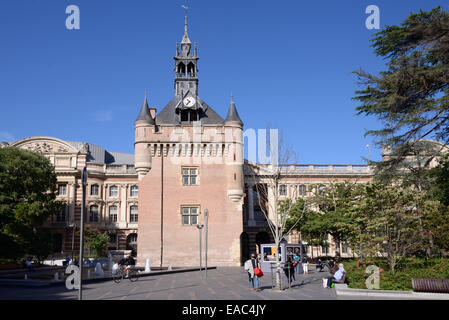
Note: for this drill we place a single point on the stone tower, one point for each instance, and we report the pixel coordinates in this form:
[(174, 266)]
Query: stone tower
[(189, 159)]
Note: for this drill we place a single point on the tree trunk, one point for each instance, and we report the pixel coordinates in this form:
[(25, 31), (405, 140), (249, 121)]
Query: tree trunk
[(278, 266)]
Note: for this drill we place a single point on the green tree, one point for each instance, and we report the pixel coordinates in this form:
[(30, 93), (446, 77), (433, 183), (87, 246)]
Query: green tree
[(411, 97), (392, 218), (27, 199), (440, 181), (42, 245), (95, 240), (437, 223), (336, 205)]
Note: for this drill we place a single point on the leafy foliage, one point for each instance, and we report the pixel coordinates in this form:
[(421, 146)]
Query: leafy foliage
[(411, 98), (27, 199), (401, 280), (95, 240)]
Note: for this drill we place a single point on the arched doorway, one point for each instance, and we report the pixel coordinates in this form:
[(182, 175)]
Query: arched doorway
[(131, 243), (262, 238), (57, 243), (244, 248)]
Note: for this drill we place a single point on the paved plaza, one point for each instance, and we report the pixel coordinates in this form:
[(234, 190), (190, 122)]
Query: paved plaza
[(224, 283)]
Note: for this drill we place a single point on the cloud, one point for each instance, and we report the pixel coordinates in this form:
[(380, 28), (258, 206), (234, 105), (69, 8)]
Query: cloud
[(102, 116), (6, 136)]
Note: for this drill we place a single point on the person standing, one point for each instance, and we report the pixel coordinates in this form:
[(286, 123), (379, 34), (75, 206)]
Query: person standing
[(296, 262), (289, 270), (305, 264), (249, 267)]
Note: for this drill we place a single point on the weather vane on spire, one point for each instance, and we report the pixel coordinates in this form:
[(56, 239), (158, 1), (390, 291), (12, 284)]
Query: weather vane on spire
[(185, 23)]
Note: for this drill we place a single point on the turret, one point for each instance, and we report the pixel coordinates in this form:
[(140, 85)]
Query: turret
[(144, 126), (234, 138)]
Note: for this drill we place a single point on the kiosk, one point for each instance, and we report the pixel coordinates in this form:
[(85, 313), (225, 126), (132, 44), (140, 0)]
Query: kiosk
[(268, 254)]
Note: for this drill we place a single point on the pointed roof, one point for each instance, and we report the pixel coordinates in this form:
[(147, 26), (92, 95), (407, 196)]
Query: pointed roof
[(144, 114), (233, 115), (185, 38), (168, 114)]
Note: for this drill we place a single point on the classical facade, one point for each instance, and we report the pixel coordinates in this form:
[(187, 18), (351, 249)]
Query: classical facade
[(111, 192), (187, 159)]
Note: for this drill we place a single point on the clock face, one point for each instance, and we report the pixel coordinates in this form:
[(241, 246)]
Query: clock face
[(189, 102)]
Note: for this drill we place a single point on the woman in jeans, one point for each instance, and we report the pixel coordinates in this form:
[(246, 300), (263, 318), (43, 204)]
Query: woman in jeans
[(249, 266)]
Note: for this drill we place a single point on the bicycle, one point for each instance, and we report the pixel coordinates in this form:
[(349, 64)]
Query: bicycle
[(121, 274)]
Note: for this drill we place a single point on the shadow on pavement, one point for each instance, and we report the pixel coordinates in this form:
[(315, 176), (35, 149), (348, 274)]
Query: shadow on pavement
[(148, 291)]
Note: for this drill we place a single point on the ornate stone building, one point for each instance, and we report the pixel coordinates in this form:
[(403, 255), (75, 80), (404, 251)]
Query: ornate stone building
[(111, 193), (187, 158)]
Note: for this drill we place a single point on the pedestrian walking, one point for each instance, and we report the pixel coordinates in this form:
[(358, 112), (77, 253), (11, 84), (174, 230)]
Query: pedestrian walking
[(249, 266), (289, 271)]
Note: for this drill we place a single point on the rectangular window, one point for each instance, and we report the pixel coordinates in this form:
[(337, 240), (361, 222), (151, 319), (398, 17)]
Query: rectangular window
[(283, 190), (189, 176), (60, 216), (190, 215), (344, 248), (94, 190), (133, 214), (93, 213), (113, 214), (62, 189), (134, 191)]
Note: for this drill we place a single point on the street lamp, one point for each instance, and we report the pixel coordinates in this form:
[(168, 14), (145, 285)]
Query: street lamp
[(200, 229), (206, 216), (84, 182), (73, 237)]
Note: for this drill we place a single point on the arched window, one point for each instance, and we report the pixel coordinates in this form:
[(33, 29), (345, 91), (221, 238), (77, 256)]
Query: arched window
[(113, 191), (93, 216), (113, 214), (321, 189), (302, 190), (131, 243), (133, 214)]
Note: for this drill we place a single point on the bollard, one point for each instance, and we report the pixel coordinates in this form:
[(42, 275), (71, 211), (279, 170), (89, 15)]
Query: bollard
[(26, 277), (98, 272), (88, 274), (147, 266), (56, 276), (169, 267)]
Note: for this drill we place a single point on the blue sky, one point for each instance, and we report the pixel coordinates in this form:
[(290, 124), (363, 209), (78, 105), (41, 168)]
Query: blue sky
[(287, 63)]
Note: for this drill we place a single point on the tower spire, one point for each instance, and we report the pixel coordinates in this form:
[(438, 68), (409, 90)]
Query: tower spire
[(185, 22), (186, 64), (185, 38)]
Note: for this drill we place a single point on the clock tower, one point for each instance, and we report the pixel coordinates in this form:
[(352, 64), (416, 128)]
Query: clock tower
[(188, 159), (186, 78)]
